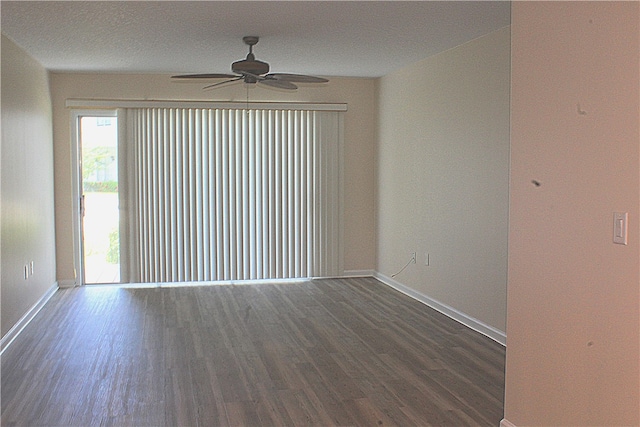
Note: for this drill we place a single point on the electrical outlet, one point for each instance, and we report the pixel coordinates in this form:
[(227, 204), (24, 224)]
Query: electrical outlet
[(413, 257), (31, 268)]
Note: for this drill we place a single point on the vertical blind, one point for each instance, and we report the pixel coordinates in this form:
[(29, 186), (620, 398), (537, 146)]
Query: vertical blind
[(233, 194)]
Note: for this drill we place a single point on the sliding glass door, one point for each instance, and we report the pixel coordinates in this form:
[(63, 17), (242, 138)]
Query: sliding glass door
[(97, 188), (207, 194)]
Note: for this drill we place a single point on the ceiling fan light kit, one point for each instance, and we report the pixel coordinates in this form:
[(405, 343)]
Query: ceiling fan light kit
[(252, 71)]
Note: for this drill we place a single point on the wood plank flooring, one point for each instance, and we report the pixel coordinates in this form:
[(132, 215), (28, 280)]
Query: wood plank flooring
[(347, 352)]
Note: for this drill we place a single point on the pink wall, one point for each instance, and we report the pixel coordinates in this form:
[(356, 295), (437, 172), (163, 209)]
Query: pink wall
[(573, 304)]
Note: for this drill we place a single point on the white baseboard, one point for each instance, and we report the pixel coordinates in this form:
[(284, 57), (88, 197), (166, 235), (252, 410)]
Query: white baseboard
[(358, 273), (506, 423), (470, 322), (68, 283), (8, 338)]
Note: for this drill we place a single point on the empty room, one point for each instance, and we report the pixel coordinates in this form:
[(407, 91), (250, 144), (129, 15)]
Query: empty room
[(237, 213)]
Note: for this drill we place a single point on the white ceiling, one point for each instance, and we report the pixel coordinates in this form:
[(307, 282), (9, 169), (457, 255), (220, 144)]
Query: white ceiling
[(327, 38)]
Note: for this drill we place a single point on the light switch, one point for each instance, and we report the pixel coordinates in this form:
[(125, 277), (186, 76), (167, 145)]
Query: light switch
[(620, 220)]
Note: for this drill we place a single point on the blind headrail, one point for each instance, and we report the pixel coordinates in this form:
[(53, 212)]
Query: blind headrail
[(118, 103)]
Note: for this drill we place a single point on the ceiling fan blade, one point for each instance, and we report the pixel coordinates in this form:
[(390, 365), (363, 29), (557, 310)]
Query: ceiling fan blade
[(222, 83), (204, 76), (280, 84), (299, 78)]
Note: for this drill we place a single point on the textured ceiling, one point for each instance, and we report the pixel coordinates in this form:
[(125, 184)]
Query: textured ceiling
[(328, 38)]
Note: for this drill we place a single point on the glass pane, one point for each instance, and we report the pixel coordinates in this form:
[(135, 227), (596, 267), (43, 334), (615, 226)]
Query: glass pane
[(99, 139)]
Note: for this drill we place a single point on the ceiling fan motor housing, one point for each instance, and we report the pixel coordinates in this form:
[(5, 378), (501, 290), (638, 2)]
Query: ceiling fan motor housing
[(254, 67), (250, 65)]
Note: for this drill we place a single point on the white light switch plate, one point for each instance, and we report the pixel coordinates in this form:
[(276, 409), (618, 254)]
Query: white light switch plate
[(620, 220)]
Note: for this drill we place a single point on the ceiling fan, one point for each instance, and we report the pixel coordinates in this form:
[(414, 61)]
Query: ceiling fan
[(252, 71)]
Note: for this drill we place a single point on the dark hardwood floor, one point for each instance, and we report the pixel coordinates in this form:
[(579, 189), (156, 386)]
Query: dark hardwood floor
[(322, 352)]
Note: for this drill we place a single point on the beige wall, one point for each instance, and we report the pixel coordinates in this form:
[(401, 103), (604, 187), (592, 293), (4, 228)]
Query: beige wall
[(359, 146), (573, 301), (27, 184), (443, 176)]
